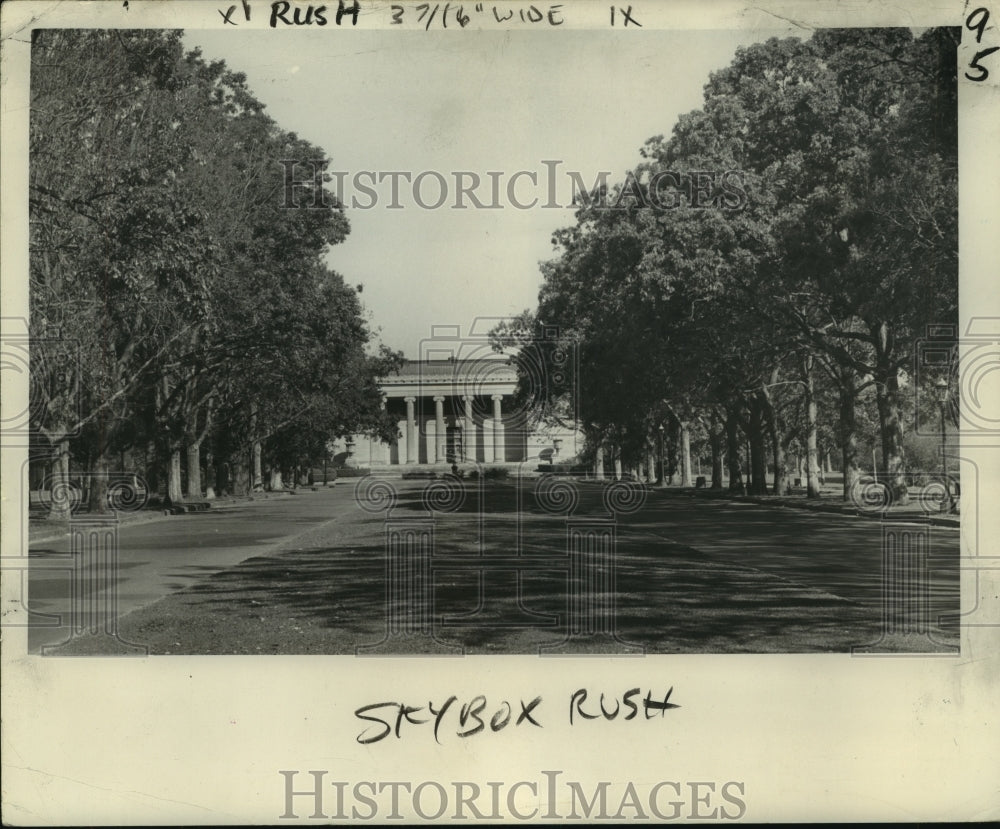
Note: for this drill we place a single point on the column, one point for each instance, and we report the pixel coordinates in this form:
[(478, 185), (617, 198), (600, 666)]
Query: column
[(411, 432), (400, 444), (498, 444), (488, 456), (469, 431), (430, 440), (441, 444)]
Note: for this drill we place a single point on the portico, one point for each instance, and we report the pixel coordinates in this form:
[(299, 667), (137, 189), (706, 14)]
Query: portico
[(447, 412)]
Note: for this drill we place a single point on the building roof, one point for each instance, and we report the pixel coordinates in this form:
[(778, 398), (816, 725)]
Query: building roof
[(453, 368), (460, 376)]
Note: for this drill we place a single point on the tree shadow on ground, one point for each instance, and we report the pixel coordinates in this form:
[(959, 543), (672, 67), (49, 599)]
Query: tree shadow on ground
[(511, 592)]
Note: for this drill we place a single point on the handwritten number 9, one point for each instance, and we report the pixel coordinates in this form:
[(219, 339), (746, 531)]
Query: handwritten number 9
[(980, 27)]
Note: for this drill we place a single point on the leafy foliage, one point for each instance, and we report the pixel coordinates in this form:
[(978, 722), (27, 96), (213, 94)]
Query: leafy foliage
[(159, 244), (817, 280)]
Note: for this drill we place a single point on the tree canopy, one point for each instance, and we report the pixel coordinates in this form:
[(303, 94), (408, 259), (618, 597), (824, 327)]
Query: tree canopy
[(202, 310), (788, 244)]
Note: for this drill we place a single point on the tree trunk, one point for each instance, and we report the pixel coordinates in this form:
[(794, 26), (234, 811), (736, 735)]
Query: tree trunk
[(780, 464), (599, 463), (616, 453), (758, 455), (776, 432), (258, 473), (685, 452), (98, 503), (650, 465), (778, 444), (175, 494), (891, 436), (85, 480), (849, 433), (672, 446), (275, 481), (209, 474), (39, 467), (809, 404), (733, 450), (194, 470), (239, 474), (716, 439), (151, 460), (223, 478), (59, 478), (890, 422)]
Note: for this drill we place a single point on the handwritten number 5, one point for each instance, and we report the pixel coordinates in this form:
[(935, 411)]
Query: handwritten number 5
[(974, 64)]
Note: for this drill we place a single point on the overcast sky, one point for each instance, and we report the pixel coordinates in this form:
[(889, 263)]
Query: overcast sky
[(480, 102)]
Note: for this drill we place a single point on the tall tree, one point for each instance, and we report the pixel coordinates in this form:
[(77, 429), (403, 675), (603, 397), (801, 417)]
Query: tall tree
[(160, 246)]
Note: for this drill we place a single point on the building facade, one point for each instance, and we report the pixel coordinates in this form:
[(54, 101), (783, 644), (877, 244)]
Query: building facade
[(459, 412)]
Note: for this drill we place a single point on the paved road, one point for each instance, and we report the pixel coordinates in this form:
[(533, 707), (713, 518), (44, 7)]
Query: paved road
[(837, 555), (161, 557)]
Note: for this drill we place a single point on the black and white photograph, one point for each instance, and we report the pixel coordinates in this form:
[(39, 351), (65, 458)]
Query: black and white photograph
[(499, 411)]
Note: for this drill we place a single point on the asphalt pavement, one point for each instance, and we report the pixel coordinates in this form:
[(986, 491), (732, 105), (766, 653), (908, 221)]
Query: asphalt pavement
[(839, 555), (160, 557)]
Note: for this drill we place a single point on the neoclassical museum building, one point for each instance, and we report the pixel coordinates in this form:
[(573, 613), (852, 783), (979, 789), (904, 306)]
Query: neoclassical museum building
[(460, 411)]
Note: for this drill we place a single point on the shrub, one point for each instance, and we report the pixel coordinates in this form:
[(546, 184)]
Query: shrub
[(349, 472)]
